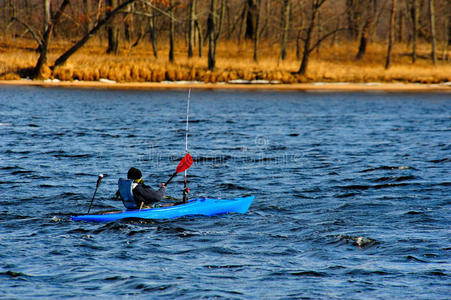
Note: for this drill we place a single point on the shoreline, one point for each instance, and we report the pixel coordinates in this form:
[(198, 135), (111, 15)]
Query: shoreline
[(300, 87)]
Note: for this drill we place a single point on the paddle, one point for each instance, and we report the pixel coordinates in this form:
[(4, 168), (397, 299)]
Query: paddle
[(97, 186), (184, 164)]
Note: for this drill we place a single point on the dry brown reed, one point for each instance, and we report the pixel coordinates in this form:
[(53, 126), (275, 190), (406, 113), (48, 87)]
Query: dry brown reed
[(333, 63)]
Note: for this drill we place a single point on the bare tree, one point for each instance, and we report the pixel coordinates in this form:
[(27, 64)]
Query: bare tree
[(200, 38), (448, 37), (390, 34), (65, 56), (250, 19), (257, 30), (364, 34), (113, 30), (286, 28), (214, 24), (171, 30), (433, 33), (354, 17), (44, 39), (152, 30), (191, 27), (304, 24), (309, 44), (415, 13)]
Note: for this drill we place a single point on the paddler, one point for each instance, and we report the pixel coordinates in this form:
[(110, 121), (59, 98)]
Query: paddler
[(143, 195)]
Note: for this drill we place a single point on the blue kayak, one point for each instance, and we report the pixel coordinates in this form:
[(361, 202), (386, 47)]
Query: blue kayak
[(194, 207)]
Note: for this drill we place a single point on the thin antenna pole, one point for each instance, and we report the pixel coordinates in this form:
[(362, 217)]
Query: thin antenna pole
[(185, 190), (187, 114)]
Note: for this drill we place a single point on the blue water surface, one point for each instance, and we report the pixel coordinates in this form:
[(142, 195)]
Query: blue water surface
[(353, 196)]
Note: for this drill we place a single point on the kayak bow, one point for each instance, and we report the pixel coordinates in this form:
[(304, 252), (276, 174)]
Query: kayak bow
[(199, 206)]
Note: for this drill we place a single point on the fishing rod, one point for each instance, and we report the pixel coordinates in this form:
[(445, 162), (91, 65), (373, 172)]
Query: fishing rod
[(185, 188)]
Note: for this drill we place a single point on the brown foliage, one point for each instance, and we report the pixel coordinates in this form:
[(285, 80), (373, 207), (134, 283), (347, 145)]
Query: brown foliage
[(336, 64)]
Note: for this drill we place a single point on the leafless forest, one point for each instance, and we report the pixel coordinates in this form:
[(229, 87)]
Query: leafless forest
[(195, 29)]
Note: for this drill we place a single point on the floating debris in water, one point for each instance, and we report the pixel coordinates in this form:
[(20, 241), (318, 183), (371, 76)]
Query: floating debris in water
[(359, 241), (56, 219)]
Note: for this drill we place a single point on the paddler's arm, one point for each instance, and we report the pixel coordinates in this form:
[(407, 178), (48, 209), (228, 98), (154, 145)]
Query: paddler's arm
[(148, 194)]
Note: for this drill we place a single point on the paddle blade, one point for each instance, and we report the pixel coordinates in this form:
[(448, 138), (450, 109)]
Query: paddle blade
[(185, 163)]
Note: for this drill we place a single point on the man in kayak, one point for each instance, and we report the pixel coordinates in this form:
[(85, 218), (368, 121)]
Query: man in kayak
[(143, 195)]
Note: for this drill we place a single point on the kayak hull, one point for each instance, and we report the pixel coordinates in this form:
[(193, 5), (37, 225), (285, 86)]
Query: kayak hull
[(195, 207)]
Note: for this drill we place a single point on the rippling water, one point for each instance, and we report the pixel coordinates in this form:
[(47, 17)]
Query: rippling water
[(352, 194)]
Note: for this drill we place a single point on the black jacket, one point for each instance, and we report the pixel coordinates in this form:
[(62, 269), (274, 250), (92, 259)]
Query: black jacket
[(144, 193)]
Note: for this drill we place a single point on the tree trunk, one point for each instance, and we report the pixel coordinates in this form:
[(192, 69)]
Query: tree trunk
[(210, 33), (448, 43), (43, 47), (298, 46), (152, 32), (316, 4), (363, 40), (211, 24), (200, 38), (257, 31), (286, 28), (400, 29), (113, 31), (433, 34), (213, 31), (49, 24), (415, 10), (390, 34), (113, 40), (47, 15), (353, 16), (191, 27), (251, 19), (171, 32)]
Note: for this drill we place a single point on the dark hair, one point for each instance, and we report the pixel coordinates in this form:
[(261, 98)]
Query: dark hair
[(134, 174)]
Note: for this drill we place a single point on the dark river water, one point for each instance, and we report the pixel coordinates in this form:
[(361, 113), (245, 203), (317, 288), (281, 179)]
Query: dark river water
[(353, 194)]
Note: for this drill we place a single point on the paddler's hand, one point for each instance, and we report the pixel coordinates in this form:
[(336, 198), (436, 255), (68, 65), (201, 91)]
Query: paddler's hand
[(163, 185)]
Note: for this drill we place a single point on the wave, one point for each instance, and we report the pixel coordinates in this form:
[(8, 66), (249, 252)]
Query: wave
[(308, 273), (361, 272), (437, 273), (65, 155), (226, 266), (377, 186), (437, 161), (412, 212), (347, 195), (21, 172), (395, 179), (388, 168), (413, 258), (231, 186), (13, 274)]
